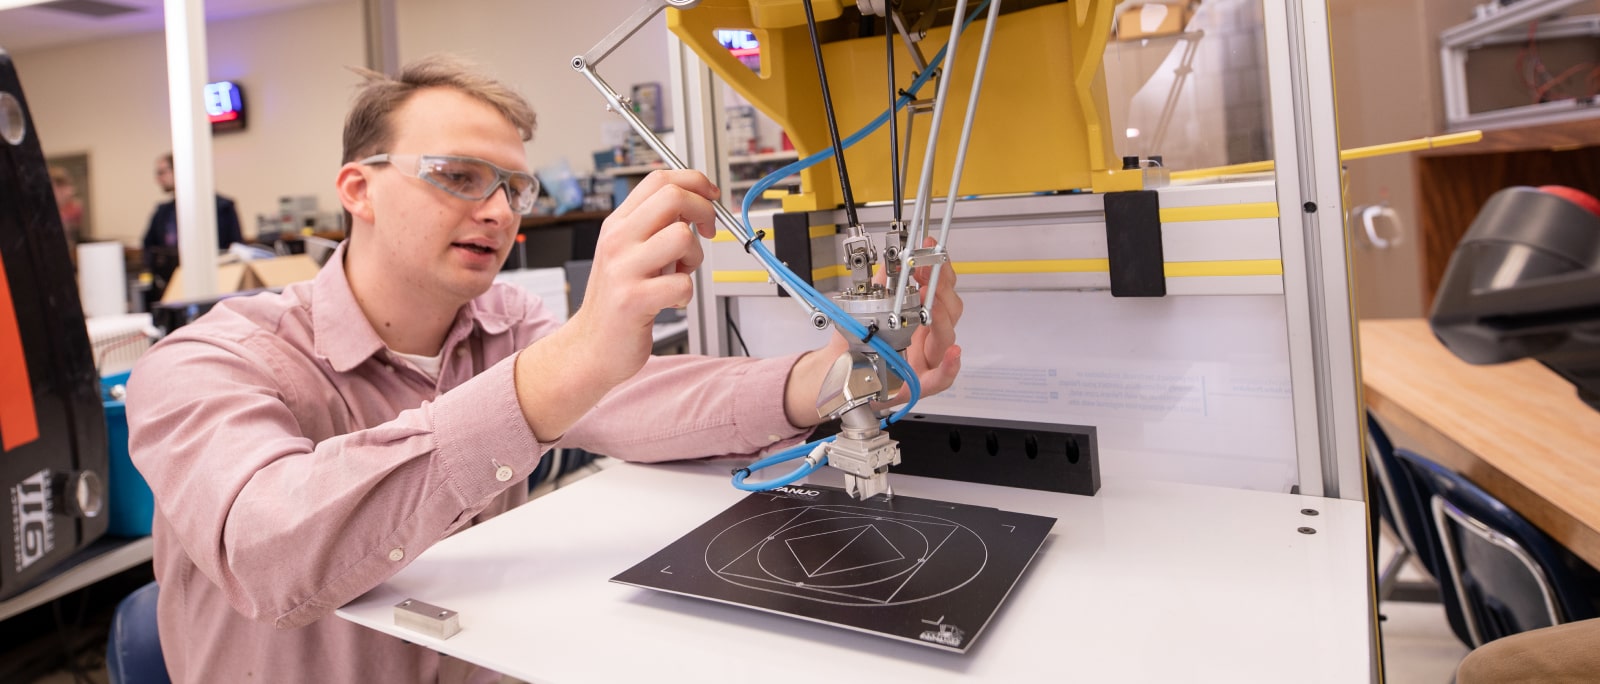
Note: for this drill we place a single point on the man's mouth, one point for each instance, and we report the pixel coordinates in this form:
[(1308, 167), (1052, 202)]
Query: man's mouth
[(480, 249)]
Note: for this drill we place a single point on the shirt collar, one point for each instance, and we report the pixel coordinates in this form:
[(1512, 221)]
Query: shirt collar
[(345, 337)]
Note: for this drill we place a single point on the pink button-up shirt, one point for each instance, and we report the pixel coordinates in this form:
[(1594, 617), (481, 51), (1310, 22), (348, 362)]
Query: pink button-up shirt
[(297, 463)]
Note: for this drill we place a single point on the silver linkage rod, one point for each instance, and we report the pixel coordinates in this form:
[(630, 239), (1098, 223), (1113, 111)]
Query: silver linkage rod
[(582, 66), (630, 26), (961, 154), (925, 182)]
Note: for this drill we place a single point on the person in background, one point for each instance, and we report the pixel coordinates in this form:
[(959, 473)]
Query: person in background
[(69, 206), (161, 238), (303, 447)]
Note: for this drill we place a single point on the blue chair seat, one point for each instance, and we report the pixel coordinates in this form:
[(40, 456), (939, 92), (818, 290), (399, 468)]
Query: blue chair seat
[(133, 651)]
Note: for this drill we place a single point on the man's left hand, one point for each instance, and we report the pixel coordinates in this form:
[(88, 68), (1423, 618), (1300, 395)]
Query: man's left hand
[(933, 354)]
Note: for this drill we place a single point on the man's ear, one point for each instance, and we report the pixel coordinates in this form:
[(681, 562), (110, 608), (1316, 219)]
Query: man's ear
[(354, 191)]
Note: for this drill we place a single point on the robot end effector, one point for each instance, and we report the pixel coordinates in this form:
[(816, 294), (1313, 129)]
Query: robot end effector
[(859, 377)]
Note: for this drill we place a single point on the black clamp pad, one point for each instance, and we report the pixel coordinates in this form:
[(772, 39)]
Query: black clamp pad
[(1133, 244), (791, 235)]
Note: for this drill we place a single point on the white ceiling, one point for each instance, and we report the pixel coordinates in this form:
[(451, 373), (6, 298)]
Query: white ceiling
[(30, 28)]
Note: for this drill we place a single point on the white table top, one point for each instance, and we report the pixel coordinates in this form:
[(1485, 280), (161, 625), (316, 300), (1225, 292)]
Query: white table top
[(1147, 581)]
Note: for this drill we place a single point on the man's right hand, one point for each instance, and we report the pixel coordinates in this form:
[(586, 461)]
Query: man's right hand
[(646, 251)]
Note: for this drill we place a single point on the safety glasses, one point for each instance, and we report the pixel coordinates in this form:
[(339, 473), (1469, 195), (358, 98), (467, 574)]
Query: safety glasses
[(466, 177)]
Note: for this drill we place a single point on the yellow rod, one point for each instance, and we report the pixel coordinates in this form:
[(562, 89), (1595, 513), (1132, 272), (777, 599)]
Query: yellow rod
[(1411, 145), (1229, 170), (1427, 143)]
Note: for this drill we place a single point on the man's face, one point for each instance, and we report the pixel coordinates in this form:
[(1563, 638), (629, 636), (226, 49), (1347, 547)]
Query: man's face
[(426, 240), (164, 175), (65, 190)]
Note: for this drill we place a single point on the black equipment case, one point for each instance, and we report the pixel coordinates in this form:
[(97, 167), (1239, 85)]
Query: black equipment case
[(53, 450)]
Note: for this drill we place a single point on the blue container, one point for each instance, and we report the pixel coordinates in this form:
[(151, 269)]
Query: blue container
[(131, 505)]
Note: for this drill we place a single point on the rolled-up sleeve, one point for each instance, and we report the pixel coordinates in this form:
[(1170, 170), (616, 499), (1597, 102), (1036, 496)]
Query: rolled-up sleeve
[(290, 529)]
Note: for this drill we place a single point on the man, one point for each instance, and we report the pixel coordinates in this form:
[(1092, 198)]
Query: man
[(69, 207), (161, 238), (304, 447)]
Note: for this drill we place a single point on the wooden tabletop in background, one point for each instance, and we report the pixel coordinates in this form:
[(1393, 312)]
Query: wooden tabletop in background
[(1518, 430)]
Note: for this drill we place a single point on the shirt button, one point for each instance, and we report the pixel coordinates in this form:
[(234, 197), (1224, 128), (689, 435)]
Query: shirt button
[(773, 438), (397, 554), (503, 473)]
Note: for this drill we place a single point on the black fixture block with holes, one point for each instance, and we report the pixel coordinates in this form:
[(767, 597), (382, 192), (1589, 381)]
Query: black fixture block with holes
[(54, 447), (1010, 453)]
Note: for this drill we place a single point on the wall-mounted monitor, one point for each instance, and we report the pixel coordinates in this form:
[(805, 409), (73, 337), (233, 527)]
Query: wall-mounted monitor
[(225, 106), (742, 45)]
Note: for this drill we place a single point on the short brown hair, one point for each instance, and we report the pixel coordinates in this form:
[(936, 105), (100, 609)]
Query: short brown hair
[(368, 129)]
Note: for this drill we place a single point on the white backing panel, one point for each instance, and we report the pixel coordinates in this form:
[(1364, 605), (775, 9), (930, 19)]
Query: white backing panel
[(1183, 389)]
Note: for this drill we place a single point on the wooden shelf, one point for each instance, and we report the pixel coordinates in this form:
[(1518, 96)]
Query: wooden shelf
[(1454, 182), (1568, 135), (571, 217), (635, 170)]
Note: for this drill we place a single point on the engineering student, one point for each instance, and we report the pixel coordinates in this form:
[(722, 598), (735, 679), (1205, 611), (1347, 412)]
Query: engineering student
[(303, 447)]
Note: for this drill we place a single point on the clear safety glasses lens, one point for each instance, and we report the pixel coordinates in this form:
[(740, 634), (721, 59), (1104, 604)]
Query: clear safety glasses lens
[(468, 178)]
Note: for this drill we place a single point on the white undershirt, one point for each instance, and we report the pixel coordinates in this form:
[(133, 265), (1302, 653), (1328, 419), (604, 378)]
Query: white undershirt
[(429, 365)]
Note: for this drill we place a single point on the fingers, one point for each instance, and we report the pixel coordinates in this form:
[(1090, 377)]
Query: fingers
[(676, 249), (673, 290), (692, 181), (666, 205), (673, 250), (650, 244), (946, 297), (933, 381), (938, 337), (941, 378)]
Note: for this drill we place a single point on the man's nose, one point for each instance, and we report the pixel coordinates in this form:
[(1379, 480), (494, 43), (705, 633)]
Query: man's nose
[(498, 204)]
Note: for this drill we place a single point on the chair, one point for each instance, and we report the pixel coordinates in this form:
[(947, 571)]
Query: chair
[(1395, 499), (133, 651), (1502, 575)]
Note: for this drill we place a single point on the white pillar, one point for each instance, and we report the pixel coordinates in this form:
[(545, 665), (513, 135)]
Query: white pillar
[(191, 147), (383, 45)]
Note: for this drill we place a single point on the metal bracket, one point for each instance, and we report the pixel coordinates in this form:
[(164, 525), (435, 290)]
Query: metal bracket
[(426, 618), (910, 40), (927, 256), (630, 26)]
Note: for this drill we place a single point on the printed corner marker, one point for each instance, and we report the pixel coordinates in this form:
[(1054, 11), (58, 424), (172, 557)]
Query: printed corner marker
[(19, 423)]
